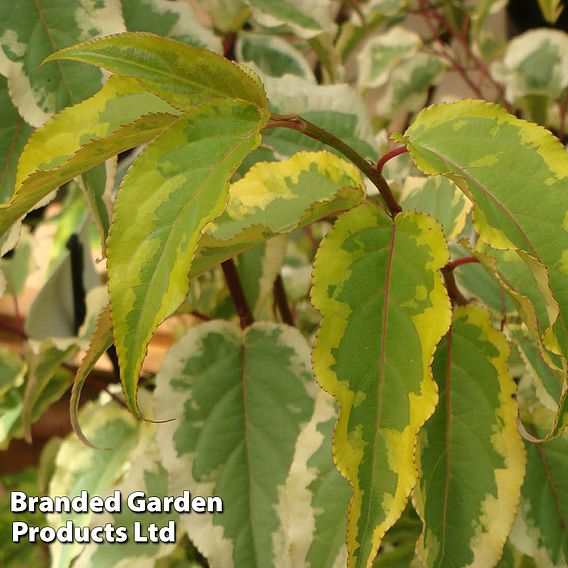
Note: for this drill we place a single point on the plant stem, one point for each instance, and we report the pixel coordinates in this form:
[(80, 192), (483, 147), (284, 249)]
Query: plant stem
[(237, 293), (389, 156), (452, 287), (454, 292), (299, 123), (460, 261), (281, 300)]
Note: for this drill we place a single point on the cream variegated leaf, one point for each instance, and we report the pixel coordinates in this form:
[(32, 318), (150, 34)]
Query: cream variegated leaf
[(470, 454), (240, 399), (536, 64), (177, 185), (316, 497), (516, 175), (373, 353), (78, 467), (337, 108), (272, 56), (14, 133), (307, 18), (31, 31), (177, 20), (408, 85), (383, 52)]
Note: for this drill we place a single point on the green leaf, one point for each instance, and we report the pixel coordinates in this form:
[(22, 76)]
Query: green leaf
[(373, 353), (516, 175), (182, 75), (440, 198), (536, 64), (240, 400), (540, 529), (14, 133), (551, 9), (176, 20), (278, 197), (178, 184), (80, 468), (471, 457), (383, 53), (408, 84), (336, 108), (30, 31), (272, 55), (82, 136)]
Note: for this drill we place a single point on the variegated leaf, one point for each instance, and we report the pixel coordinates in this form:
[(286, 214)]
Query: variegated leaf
[(307, 18), (478, 281), (178, 184), (100, 342), (44, 385), (272, 55), (172, 19), (384, 309), (276, 198), (258, 269), (541, 527), (145, 474), (78, 467), (227, 15), (536, 64), (182, 75), (337, 108), (20, 265), (408, 85), (471, 457), (382, 53), (14, 133), (516, 175), (440, 198), (317, 496), (30, 31), (240, 399), (526, 282), (115, 119), (547, 382)]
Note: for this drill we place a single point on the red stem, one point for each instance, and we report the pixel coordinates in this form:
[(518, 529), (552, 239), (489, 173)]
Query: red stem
[(389, 156), (459, 261)]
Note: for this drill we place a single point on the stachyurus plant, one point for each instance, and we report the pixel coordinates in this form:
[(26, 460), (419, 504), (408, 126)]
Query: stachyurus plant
[(440, 340)]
